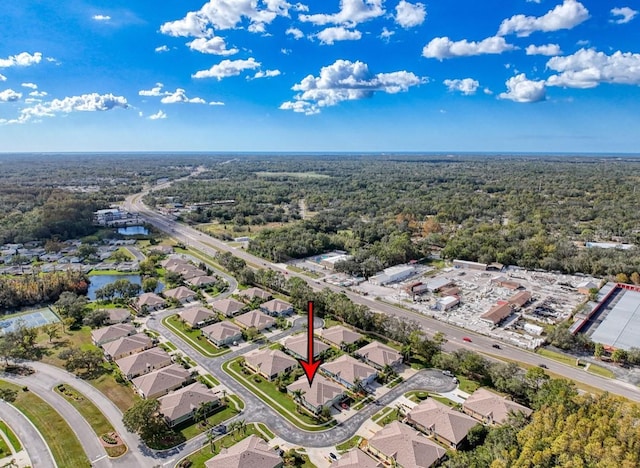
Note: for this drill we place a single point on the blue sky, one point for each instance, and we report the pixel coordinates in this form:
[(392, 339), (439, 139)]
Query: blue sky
[(333, 75)]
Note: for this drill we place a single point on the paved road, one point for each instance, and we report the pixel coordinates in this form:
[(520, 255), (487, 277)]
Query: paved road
[(31, 439), (482, 344), (257, 411)]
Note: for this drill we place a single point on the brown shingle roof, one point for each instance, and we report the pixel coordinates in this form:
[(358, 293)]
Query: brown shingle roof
[(195, 315), (270, 361), (150, 299), (448, 423), (379, 354), (227, 306), (179, 293), (127, 344), (321, 391), (407, 446), (276, 306), (298, 344), (356, 458), (253, 293), (487, 403), (106, 334), (161, 380), (339, 334), (497, 313), (252, 452), (256, 318), (520, 298), (222, 330), (185, 400), (349, 369), (138, 363)]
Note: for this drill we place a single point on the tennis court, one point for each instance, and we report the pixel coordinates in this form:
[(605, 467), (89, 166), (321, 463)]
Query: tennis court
[(33, 319)]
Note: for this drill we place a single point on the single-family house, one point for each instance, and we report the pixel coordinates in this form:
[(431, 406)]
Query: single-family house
[(222, 333), (182, 294), (173, 263), (150, 302), (126, 346), (251, 452), (446, 425), (162, 381), (356, 458), (322, 393), (181, 405), (276, 308), (349, 372), (269, 362), (399, 445), (490, 408), (104, 335), (339, 335), (189, 271), (297, 346), (255, 293), (201, 281), (198, 317), (117, 315), (228, 307), (379, 355), (255, 318), (143, 362)]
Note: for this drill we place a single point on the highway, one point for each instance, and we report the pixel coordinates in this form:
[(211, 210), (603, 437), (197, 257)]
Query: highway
[(480, 343)]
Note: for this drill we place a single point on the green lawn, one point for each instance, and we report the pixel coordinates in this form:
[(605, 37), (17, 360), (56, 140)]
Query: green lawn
[(266, 431), (64, 445), (381, 414), (193, 337), (199, 458), (349, 444), (5, 451), (467, 385), (237, 400), (210, 380), (191, 429), (169, 346), (284, 404), (571, 361), (11, 436)]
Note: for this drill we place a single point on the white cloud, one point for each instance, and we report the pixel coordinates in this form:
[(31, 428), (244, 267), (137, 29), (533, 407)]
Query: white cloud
[(588, 68), (566, 16), (84, 103), (487, 91), (338, 33), (24, 59), (38, 93), (179, 95), (626, 13), (352, 12), (285, 51), (9, 95), (162, 48), (466, 86), (216, 103), (265, 74), (548, 49), (386, 34), (101, 18), (227, 68), (158, 115), (215, 45), (295, 32), (533, 1), (346, 81), (521, 89), (443, 47), (32, 100), (2, 77), (227, 14), (409, 15), (29, 85), (155, 91)]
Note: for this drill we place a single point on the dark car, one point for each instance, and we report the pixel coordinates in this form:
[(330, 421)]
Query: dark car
[(495, 345), (333, 456), (544, 366)]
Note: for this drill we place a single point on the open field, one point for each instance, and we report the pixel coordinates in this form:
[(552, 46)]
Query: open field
[(64, 444)]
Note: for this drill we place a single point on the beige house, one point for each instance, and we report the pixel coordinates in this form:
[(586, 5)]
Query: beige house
[(201, 281), (111, 333), (252, 452), (256, 293), (348, 371), (126, 346), (399, 445), (297, 346), (269, 362), (182, 294), (162, 381), (197, 317), (379, 355), (445, 424), (490, 408), (255, 318), (337, 335), (180, 406), (277, 308), (117, 315), (322, 393), (228, 307), (222, 333), (356, 458), (144, 362), (150, 301), (173, 263)]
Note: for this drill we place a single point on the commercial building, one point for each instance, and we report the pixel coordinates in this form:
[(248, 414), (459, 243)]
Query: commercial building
[(447, 302), (392, 275), (496, 314)]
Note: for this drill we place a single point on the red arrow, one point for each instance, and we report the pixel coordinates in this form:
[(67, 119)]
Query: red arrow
[(310, 366)]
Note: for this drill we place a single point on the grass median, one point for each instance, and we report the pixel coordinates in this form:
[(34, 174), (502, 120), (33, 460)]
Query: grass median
[(571, 361), (63, 443), (193, 337), (277, 400), (13, 439)]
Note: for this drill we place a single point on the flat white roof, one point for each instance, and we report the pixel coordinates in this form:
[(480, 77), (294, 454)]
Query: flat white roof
[(398, 269)]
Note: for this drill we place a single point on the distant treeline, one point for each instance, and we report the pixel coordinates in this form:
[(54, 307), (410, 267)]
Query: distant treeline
[(27, 290)]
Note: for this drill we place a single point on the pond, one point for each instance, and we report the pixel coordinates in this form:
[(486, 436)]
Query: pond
[(98, 281), (133, 230)]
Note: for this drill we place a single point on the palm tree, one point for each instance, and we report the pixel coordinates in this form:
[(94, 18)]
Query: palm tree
[(406, 352), (400, 412)]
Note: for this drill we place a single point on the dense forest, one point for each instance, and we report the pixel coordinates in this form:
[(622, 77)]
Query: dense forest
[(532, 212)]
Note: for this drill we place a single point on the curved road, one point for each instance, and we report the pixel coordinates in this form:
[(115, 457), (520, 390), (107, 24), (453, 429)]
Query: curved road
[(482, 344)]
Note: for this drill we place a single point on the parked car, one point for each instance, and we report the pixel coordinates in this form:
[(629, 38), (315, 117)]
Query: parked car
[(447, 373), (467, 339), (333, 456)]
